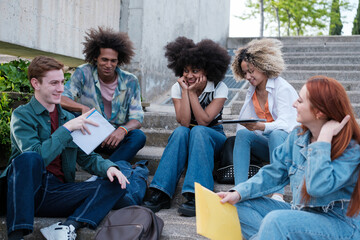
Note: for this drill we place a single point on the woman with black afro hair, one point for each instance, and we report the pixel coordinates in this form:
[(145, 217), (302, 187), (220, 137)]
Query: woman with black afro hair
[(199, 96)]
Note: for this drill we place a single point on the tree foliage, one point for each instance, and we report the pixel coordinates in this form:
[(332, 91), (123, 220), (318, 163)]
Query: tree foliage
[(335, 19), (356, 26), (294, 17)]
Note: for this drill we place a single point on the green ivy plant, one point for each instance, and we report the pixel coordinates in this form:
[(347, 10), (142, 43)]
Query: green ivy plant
[(13, 76), (5, 116)]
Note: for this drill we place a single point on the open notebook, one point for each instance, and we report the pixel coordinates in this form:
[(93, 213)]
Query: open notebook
[(215, 220), (89, 142)]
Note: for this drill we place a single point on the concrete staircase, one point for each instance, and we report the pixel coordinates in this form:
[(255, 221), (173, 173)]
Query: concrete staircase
[(337, 57)]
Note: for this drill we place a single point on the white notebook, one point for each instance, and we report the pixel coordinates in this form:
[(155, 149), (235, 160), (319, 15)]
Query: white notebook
[(89, 142)]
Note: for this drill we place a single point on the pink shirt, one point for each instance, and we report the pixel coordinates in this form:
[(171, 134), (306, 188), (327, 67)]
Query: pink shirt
[(107, 93)]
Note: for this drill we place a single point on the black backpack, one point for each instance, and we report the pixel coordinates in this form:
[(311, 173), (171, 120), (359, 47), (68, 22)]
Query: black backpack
[(133, 222)]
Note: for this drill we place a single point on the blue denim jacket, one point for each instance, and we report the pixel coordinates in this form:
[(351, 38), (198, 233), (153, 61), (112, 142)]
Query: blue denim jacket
[(295, 160)]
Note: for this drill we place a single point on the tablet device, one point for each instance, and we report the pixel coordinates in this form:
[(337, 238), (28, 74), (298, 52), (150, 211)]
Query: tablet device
[(241, 121)]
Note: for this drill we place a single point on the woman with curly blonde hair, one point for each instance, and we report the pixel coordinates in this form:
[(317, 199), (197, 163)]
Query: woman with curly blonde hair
[(269, 97)]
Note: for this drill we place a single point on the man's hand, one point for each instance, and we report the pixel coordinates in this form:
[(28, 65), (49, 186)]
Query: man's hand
[(114, 138), (80, 122), (84, 109), (230, 197), (114, 172)]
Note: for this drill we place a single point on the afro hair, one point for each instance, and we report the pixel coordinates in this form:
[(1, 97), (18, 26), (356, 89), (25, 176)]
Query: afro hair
[(206, 55), (264, 54), (107, 38)]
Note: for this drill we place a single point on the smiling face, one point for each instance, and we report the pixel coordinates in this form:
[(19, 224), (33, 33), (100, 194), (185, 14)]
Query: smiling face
[(106, 64), (191, 74), (305, 113), (255, 77), (48, 91)]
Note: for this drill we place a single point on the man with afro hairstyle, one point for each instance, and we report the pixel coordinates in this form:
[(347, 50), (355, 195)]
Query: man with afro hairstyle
[(113, 92)]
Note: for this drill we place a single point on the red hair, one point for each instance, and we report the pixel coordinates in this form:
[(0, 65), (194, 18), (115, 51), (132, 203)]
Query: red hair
[(329, 97)]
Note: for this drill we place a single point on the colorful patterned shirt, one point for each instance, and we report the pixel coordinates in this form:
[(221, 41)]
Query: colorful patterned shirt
[(84, 88)]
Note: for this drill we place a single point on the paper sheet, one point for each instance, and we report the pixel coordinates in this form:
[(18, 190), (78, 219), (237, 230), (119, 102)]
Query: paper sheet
[(87, 142), (215, 220)]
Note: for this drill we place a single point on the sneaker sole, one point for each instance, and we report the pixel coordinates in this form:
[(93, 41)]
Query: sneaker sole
[(158, 207), (186, 212)]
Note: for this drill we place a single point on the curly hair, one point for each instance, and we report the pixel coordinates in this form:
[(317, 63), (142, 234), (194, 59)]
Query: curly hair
[(264, 54), (206, 55), (107, 38)]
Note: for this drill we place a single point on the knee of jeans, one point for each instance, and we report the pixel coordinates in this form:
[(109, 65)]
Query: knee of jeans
[(243, 134), (29, 159), (181, 132), (140, 136), (275, 218), (278, 135), (199, 131)]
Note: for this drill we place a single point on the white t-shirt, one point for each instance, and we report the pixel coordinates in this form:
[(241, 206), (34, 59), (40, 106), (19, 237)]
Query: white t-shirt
[(210, 92)]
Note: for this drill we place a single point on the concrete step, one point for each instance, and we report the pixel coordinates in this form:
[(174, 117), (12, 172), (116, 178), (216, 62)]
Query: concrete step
[(324, 59), (175, 227), (158, 137), (325, 48), (293, 54), (348, 85), (302, 40), (318, 67), (237, 105), (354, 96), (167, 121), (338, 75)]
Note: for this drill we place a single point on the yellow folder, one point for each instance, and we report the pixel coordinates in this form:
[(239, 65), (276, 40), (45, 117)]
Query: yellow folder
[(214, 219)]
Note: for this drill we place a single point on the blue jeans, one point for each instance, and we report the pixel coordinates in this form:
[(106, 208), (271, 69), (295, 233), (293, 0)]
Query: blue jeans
[(261, 146), (32, 191), (127, 148), (265, 218), (196, 147)]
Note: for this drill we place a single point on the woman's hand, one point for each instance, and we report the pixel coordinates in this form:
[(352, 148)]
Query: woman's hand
[(254, 126), (183, 84), (199, 85), (230, 197), (331, 128)]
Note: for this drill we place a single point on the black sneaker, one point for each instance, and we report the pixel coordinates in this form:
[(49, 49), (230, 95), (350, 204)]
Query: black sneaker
[(158, 200), (188, 208)]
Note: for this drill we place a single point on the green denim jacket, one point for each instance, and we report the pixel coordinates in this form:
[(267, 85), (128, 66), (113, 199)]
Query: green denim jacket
[(31, 131)]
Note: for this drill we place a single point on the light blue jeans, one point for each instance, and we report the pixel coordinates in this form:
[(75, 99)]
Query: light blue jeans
[(196, 147), (265, 218), (261, 146)]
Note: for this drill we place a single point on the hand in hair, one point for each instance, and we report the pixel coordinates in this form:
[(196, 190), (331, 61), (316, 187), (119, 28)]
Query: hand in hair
[(331, 128)]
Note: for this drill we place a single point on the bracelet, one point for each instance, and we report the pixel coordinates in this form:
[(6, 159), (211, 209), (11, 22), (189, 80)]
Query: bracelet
[(125, 129)]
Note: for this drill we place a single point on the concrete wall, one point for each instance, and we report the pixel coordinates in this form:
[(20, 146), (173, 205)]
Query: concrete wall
[(59, 26), (154, 23), (56, 26)]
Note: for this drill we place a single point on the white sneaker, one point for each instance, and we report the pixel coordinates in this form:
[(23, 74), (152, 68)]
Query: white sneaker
[(59, 232), (92, 178), (277, 198)]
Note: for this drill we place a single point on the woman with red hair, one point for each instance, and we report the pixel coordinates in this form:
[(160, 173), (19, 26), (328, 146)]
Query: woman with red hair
[(321, 162)]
